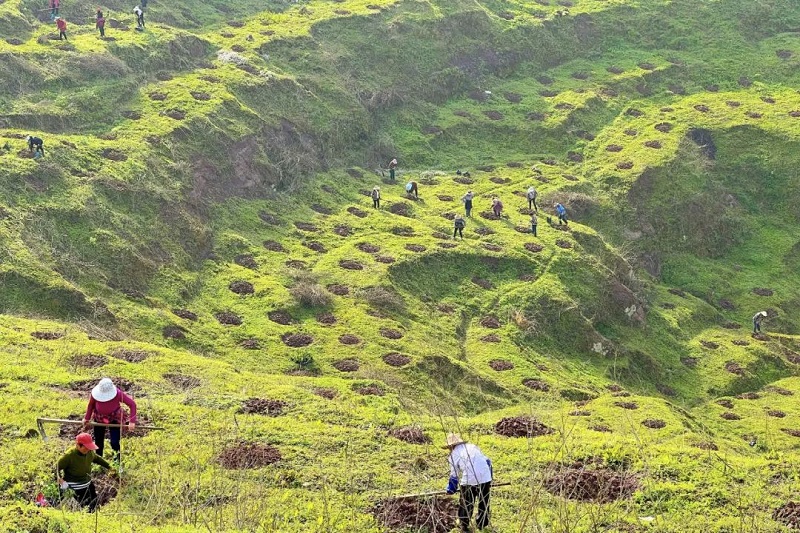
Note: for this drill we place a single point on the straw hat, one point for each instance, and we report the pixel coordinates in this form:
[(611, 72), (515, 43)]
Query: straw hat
[(453, 440), (104, 391)]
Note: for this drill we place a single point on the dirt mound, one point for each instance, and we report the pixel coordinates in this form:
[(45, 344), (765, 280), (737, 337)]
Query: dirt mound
[(280, 316), (763, 338), (47, 335), (575, 157), (250, 344), (446, 308), (762, 291), (788, 515), (711, 345), (627, 405), (792, 432), (131, 356), (493, 115), (561, 243), (88, 360), (346, 365), (357, 212), (489, 215), (351, 264), (415, 248), (396, 359), (338, 289), (727, 404), (385, 259), (296, 264), (621, 394), (349, 339), (228, 318), (401, 208), (601, 485), (444, 197), (246, 260), (369, 390), (391, 333), (368, 248), (482, 283), (464, 180), (776, 413), (484, 231), (491, 338), (433, 515), (690, 362), (306, 226), (521, 426), (613, 148), (753, 114), (263, 406), (410, 434), (183, 381), (490, 322), (328, 394), (297, 340), (241, 287), (654, 423), (653, 144), (533, 247), (403, 231), (173, 331), (749, 396), (323, 210), (274, 246), (602, 428), (326, 319), (727, 415), (734, 368), (501, 365), (343, 230), (248, 455), (779, 390), (536, 384), (315, 246)]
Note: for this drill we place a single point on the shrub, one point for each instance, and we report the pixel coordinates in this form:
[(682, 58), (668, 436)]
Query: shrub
[(384, 298), (308, 292)]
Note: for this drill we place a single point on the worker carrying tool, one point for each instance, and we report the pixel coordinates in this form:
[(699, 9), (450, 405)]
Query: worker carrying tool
[(76, 466), (105, 406), (471, 473)]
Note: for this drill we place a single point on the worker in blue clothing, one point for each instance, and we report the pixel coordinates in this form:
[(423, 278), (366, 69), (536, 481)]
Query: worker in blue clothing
[(471, 473), (562, 214)]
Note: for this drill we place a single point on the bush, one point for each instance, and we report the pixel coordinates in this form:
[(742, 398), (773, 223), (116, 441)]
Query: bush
[(308, 292), (384, 298)]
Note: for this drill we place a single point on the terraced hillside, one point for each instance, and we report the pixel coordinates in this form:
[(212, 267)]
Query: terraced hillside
[(200, 229)]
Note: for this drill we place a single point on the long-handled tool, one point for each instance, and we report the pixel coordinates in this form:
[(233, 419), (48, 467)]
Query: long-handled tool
[(440, 492), (40, 422)]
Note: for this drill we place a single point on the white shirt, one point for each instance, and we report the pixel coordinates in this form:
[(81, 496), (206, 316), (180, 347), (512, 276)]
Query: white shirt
[(468, 463)]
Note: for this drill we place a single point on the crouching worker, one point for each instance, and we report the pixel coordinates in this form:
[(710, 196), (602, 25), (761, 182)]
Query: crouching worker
[(472, 472), (76, 466), (105, 406)]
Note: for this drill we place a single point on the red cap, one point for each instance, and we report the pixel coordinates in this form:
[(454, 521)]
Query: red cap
[(86, 440)]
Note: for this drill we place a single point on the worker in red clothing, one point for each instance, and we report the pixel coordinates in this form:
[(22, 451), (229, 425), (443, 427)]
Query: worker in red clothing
[(61, 24), (105, 406), (101, 23)]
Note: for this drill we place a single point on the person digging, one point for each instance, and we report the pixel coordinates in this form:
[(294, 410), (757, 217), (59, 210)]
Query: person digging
[(412, 188), (458, 226), (36, 146), (105, 406), (561, 211), (471, 474), (76, 466), (758, 318)]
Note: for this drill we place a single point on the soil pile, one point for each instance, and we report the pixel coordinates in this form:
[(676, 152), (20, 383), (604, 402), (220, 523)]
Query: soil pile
[(600, 485), (248, 455), (263, 406), (433, 515), (521, 426), (410, 434)]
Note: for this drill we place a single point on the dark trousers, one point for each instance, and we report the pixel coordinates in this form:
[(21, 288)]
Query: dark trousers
[(376, 203), (562, 218), (532, 202), (62, 35), (140, 20), (100, 438), (470, 494), (497, 211), (102, 31), (87, 497), (415, 190), (756, 327), (468, 207), (533, 229), (460, 231), (391, 174)]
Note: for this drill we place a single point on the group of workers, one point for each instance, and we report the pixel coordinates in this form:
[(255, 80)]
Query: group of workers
[(100, 20)]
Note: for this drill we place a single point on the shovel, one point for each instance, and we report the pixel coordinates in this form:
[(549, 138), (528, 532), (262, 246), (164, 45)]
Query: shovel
[(40, 422), (440, 492)]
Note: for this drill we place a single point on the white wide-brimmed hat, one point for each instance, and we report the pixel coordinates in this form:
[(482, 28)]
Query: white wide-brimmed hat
[(104, 391), (453, 440)]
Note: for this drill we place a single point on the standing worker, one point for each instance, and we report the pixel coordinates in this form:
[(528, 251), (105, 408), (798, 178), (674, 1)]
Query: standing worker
[(458, 226), (376, 197), (561, 211), (35, 143), (61, 24), (531, 196), (757, 319), (392, 168), (497, 207), (105, 407), (534, 224), (76, 466), (139, 17), (54, 5), (412, 187), (467, 200), (472, 472), (101, 23)]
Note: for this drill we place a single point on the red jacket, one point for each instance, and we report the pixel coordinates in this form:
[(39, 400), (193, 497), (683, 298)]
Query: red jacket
[(61, 24), (101, 22)]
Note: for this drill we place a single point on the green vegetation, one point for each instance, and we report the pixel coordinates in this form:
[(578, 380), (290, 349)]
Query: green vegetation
[(200, 230)]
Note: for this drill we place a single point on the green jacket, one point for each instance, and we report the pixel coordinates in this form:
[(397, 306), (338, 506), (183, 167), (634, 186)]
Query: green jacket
[(77, 466)]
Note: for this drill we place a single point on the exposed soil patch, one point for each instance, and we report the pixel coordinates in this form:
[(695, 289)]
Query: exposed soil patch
[(241, 287), (656, 145), (89, 360), (493, 115), (482, 283), (514, 98), (631, 133), (401, 208), (415, 248), (274, 246), (449, 215), (501, 365), (493, 337), (444, 197), (499, 180), (338, 290), (263, 406), (296, 264), (113, 155), (201, 96), (463, 180), (131, 356), (749, 396), (326, 319), (350, 264), (627, 405), (533, 247), (349, 339), (447, 245), (357, 212), (601, 485), (625, 165), (484, 231), (157, 96), (391, 333), (575, 157), (727, 404), (727, 415), (489, 215), (762, 291), (174, 332), (492, 247), (182, 381), (328, 394), (753, 114), (561, 243), (246, 260), (615, 70), (776, 413), (711, 345), (403, 231), (346, 365), (601, 428), (490, 322), (248, 455), (315, 246), (794, 114), (370, 390), (664, 127), (690, 362), (396, 359), (734, 368), (779, 390), (536, 384), (47, 335), (280, 316), (297, 340), (564, 105), (521, 426), (677, 89), (654, 423), (621, 394), (429, 515), (702, 108), (386, 259), (763, 338), (613, 148), (228, 318), (547, 93), (410, 434), (306, 226), (343, 230), (647, 66), (447, 309), (250, 344)]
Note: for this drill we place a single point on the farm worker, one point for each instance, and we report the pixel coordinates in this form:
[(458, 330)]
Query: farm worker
[(497, 206), (534, 224), (61, 24), (35, 142), (757, 319), (105, 406), (561, 212), (76, 465), (376, 197), (139, 16), (531, 196), (54, 5), (467, 200), (392, 168), (471, 471), (458, 226), (101, 23), (412, 187)]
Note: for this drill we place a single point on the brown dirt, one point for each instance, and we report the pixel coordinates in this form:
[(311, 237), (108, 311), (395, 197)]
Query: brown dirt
[(792, 432), (613, 387), (691, 362), (131, 356), (600, 485), (749, 396), (263, 406), (654, 423), (415, 248), (535, 115), (490, 322), (446, 308), (386, 259), (88, 360), (47, 335), (350, 264), (493, 115), (357, 212), (349, 339), (647, 66), (734, 368), (297, 340), (707, 445), (401, 208), (521, 426), (444, 197), (783, 54), (391, 333), (711, 345), (775, 413), (779, 390), (761, 291), (501, 365), (306, 226), (580, 413), (241, 287), (157, 96), (492, 247), (653, 144), (113, 155), (346, 365), (403, 231), (602, 428), (615, 70), (753, 114), (410, 434), (731, 325), (500, 181), (338, 289), (315, 246), (763, 338), (321, 209), (483, 283), (328, 394), (369, 390), (621, 394), (396, 359), (625, 165), (794, 114), (493, 337), (664, 127), (368, 248), (726, 403), (561, 243), (627, 405), (484, 231), (631, 133), (447, 245), (174, 332), (296, 264), (250, 344), (274, 246), (533, 247), (464, 180), (767, 99), (246, 260), (788, 515), (228, 318), (201, 96), (326, 319), (175, 114), (280, 316), (547, 93), (677, 292), (248, 455), (343, 230), (727, 415), (430, 515), (667, 305), (536, 384), (183, 381), (674, 88), (184, 313)]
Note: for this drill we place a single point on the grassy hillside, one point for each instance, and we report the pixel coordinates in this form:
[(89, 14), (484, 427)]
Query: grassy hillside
[(200, 229)]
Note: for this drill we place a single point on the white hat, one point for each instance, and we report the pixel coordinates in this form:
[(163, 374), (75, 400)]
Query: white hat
[(763, 313), (453, 440), (104, 391)]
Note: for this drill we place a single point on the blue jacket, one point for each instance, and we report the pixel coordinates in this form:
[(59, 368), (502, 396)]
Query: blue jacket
[(560, 210)]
